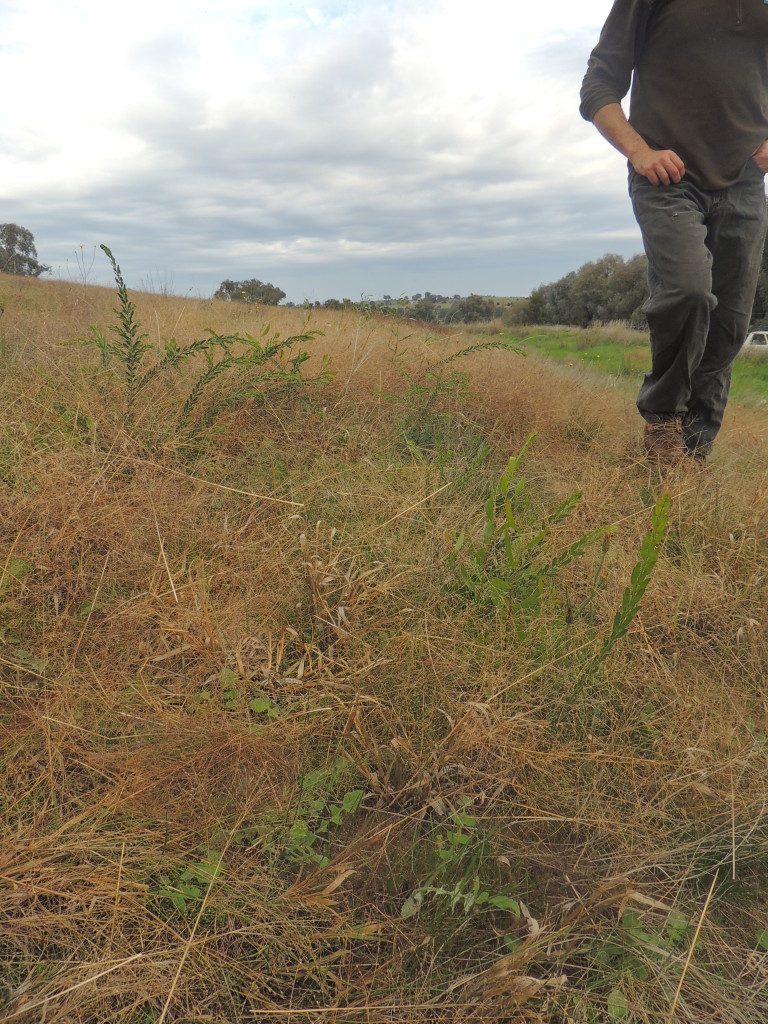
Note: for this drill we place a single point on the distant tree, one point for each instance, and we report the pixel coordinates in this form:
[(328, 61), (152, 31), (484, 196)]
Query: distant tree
[(333, 304), (249, 292), (630, 290), (18, 254), (559, 306), (473, 309), (537, 306), (517, 313), (424, 309), (610, 288)]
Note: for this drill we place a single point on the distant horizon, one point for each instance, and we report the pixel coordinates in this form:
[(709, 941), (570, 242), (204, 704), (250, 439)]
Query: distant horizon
[(163, 285), (154, 288)]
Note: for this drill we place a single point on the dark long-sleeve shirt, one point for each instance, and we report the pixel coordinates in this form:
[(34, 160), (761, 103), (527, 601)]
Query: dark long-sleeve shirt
[(700, 84)]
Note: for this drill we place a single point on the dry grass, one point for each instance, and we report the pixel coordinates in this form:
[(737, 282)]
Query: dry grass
[(246, 711)]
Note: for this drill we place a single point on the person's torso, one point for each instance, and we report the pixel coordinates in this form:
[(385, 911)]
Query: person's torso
[(701, 84)]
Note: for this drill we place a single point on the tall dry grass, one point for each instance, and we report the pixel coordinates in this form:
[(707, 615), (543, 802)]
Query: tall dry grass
[(247, 713)]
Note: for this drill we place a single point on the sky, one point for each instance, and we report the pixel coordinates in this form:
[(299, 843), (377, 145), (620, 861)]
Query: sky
[(336, 149)]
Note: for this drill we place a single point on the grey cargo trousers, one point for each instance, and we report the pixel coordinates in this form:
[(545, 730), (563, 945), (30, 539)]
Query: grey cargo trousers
[(704, 250)]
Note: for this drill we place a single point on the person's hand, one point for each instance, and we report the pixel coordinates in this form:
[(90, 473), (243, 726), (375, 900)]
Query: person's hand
[(760, 156), (662, 166)]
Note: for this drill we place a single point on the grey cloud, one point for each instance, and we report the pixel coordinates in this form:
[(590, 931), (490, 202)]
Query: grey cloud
[(495, 249), (456, 244), (562, 57)]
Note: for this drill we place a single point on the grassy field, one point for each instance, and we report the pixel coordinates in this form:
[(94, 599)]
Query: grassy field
[(624, 355), (404, 692)]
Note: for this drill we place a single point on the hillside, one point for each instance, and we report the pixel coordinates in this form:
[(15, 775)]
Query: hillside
[(315, 707)]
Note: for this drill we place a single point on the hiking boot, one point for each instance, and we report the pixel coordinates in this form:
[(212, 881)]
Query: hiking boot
[(697, 456), (664, 440)]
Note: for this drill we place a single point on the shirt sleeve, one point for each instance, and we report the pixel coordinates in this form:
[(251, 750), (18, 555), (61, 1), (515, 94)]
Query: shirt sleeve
[(609, 71)]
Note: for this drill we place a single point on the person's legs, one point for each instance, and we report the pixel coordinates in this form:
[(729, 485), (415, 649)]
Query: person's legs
[(736, 231), (672, 220)]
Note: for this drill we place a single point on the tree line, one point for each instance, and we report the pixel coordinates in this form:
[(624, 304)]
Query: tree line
[(427, 307), (610, 288), (603, 290)]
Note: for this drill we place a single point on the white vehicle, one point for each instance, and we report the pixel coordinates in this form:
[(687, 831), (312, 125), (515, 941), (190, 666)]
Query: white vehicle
[(757, 339)]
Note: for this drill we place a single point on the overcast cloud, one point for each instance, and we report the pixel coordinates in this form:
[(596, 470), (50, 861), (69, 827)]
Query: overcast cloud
[(337, 149)]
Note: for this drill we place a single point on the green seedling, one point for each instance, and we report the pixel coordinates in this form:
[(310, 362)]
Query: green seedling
[(510, 568)]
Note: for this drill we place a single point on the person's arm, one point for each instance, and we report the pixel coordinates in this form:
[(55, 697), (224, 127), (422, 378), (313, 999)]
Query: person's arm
[(659, 166), (609, 69), (607, 81), (760, 156)]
